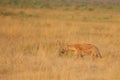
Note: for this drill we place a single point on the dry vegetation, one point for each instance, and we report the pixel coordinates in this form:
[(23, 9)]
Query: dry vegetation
[(29, 48)]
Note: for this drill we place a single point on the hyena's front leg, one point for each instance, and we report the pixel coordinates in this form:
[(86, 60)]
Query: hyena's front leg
[(79, 54)]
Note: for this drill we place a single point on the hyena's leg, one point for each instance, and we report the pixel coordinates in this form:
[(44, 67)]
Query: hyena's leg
[(79, 54), (99, 55), (93, 55)]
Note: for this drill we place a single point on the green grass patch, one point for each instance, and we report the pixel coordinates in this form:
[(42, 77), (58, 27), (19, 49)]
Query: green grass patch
[(20, 14), (59, 4)]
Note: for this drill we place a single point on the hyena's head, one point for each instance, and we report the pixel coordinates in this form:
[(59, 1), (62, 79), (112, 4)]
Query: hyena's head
[(62, 52)]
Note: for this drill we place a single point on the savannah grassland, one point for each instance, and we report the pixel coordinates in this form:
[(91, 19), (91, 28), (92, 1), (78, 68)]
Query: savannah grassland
[(29, 43)]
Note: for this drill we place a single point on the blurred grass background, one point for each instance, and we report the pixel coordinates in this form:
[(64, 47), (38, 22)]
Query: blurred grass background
[(29, 34)]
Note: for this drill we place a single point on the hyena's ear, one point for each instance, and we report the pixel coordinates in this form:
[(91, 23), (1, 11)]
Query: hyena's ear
[(59, 43)]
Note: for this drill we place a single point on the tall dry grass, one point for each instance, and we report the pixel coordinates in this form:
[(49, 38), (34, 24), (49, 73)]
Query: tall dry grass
[(29, 47)]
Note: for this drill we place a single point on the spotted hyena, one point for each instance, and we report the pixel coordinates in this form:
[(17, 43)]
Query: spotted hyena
[(80, 50)]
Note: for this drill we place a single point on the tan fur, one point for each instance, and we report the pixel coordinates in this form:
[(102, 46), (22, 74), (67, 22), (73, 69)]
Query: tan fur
[(82, 50)]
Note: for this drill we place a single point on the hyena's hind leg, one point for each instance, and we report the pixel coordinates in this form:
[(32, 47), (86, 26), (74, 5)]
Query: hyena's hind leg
[(93, 54), (98, 54)]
